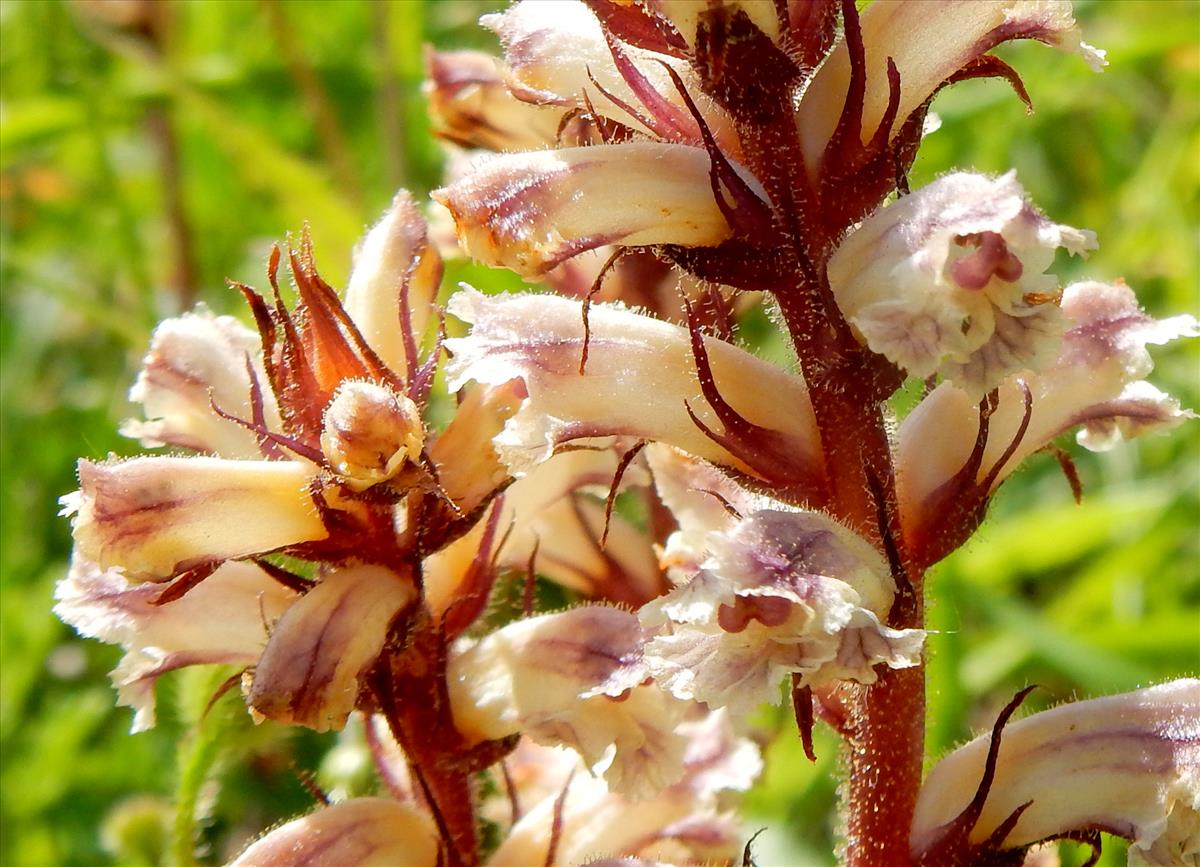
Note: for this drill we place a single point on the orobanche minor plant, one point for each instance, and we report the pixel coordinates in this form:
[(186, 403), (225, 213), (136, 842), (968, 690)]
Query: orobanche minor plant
[(663, 166)]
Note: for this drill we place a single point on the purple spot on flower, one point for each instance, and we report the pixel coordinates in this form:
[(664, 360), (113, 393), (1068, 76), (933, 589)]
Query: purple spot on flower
[(992, 258)]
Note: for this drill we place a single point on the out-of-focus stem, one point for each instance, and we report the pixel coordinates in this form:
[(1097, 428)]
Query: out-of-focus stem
[(388, 102), (316, 101), (153, 27)]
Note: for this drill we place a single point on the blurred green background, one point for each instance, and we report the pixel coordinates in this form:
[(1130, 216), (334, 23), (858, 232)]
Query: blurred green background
[(150, 151)]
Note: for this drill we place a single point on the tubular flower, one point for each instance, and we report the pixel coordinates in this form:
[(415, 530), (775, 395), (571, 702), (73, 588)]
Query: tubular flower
[(541, 340), (572, 678), (223, 620), (1127, 764), (952, 455), (157, 517), (781, 592), (530, 212), (950, 280)]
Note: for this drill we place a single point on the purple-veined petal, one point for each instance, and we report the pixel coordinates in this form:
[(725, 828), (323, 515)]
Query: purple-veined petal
[(197, 360), (1127, 764), (781, 592), (360, 832), (640, 380), (223, 619), (531, 211), (572, 678), (155, 516), (309, 673)]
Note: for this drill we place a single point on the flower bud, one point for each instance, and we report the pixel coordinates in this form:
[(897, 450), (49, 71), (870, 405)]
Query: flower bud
[(950, 280), (394, 257), (370, 432)]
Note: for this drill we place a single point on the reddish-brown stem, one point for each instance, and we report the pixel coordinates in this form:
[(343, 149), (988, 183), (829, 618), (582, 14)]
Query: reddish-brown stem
[(886, 745), (885, 723), (410, 690)]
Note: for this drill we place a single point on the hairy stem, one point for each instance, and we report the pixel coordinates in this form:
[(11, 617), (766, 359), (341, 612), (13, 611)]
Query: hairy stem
[(886, 740), (886, 720), (409, 689)]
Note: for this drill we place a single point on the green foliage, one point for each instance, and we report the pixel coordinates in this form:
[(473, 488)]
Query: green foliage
[(304, 111)]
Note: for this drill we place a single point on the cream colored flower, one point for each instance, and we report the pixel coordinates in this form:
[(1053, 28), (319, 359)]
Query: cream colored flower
[(950, 280), (1127, 764)]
